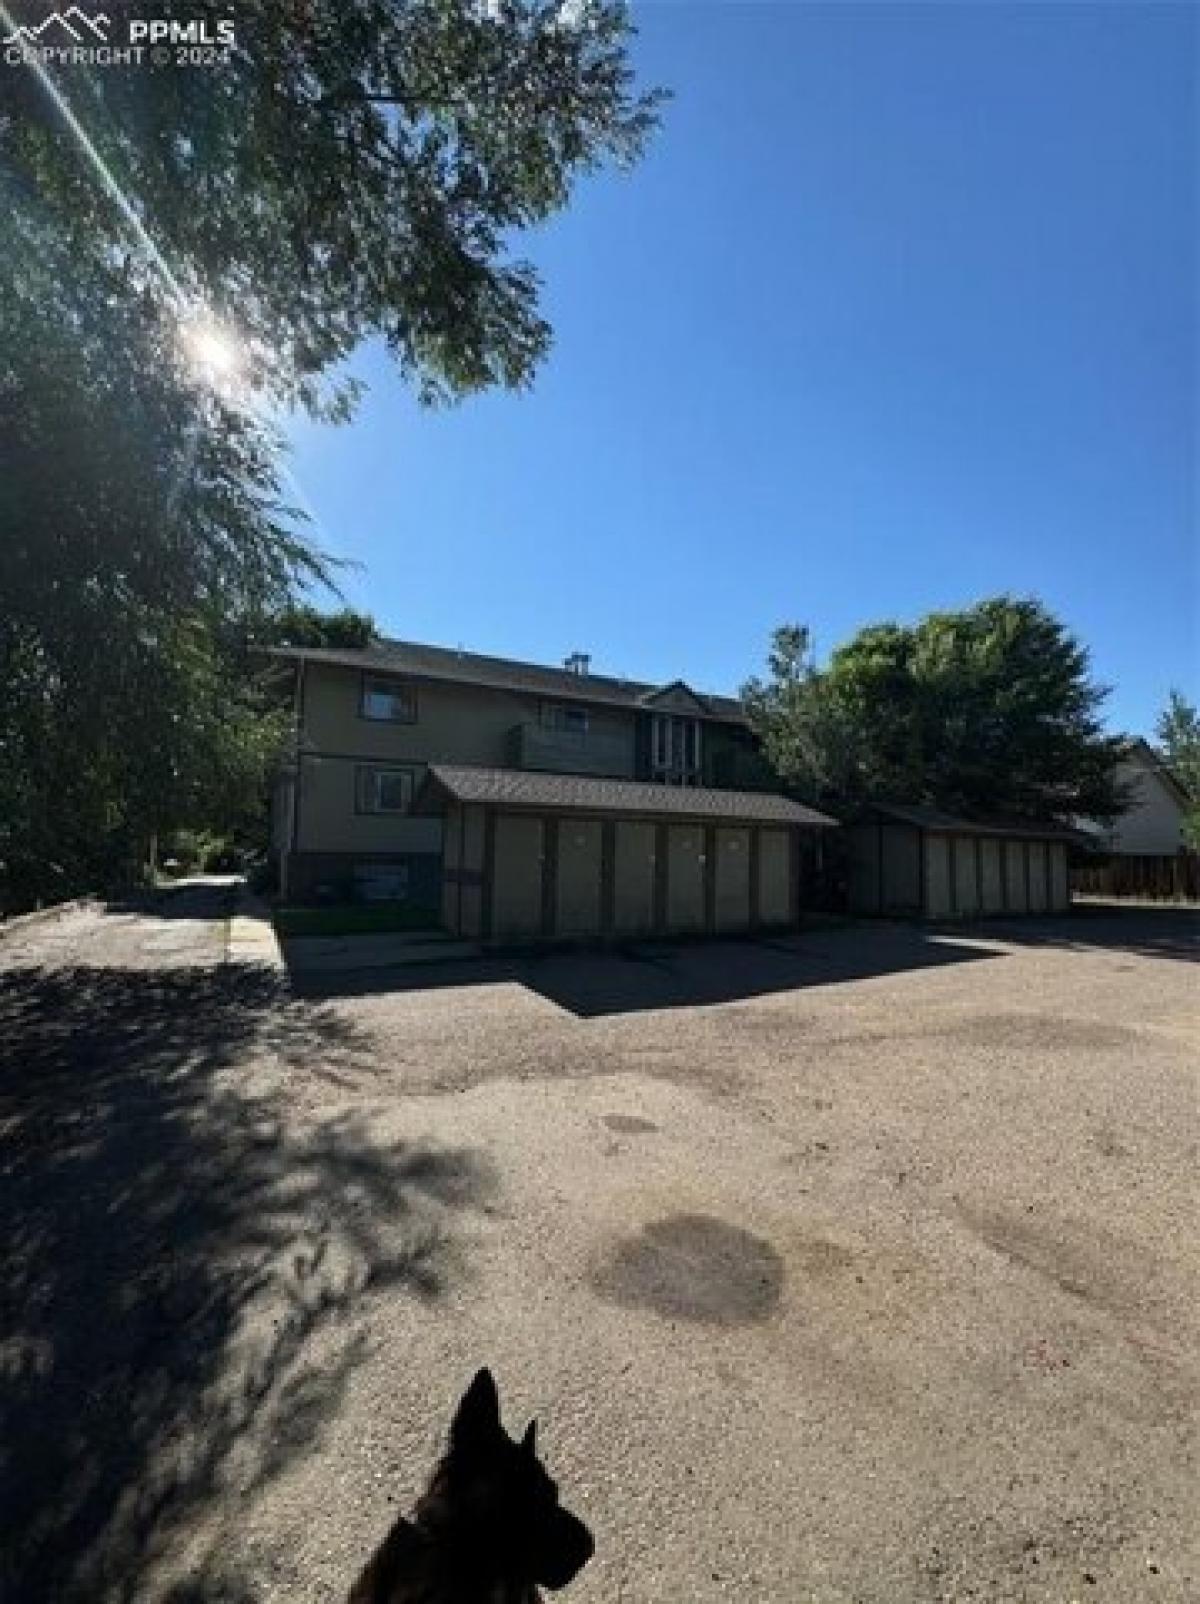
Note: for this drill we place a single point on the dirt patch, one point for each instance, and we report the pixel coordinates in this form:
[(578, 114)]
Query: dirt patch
[(694, 1267), (629, 1124), (1038, 1033), (1088, 1271)]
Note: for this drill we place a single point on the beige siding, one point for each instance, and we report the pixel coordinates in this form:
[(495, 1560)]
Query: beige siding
[(1014, 876), (577, 902), (1037, 876), (474, 822), (1060, 880), (1153, 822), (993, 886), (966, 878), (774, 877), (733, 879), (901, 869), (517, 876), (450, 862), (470, 901), (454, 723), (685, 877), (633, 878), (937, 876), (329, 823)]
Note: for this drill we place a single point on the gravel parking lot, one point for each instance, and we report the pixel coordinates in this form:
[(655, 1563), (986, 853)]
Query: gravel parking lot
[(860, 1267)]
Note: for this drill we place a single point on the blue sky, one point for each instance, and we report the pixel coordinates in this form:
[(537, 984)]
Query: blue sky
[(899, 311)]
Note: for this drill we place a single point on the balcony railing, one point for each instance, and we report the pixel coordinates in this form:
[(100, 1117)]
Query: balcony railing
[(532, 746)]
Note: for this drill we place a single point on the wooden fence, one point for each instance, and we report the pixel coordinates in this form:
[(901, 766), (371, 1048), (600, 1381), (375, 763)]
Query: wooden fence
[(1157, 879)]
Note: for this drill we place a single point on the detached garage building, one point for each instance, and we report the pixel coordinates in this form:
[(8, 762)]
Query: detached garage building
[(917, 861), (563, 856)]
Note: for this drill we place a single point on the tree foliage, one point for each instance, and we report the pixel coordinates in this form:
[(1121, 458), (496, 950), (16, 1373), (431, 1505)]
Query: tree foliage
[(359, 169), (1178, 734), (306, 625), (990, 712)]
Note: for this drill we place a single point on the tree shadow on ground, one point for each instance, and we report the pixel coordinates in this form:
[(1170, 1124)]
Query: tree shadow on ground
[(646, 976), (179, 1241), (1171, 931)]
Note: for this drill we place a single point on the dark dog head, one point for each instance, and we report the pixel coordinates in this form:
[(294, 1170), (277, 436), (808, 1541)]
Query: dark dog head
[(499, 1499)]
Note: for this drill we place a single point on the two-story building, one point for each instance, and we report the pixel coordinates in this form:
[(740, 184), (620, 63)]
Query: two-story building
[(517, 799)]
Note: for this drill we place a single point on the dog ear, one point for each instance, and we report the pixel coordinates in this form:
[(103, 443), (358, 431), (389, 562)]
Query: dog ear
[(478, 1411), (529, 1440)]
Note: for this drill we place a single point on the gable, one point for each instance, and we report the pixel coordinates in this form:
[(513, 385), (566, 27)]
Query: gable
[(1142, 759), (675, 698), (1153, 822)]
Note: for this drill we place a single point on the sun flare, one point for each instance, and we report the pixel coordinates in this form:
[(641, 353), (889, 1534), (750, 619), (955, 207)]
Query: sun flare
[(212, 350)]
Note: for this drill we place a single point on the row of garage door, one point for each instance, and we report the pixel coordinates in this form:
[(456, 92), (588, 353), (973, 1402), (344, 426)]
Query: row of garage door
[(897, 869), (519, 875), (982, 874)]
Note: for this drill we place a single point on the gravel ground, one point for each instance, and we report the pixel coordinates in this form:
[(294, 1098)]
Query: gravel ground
[(855, 1268)]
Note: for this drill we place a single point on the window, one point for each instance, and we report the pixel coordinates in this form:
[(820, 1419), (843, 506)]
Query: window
[(675, 749), (381, 882), (565, 720), (384, 790), (391, 701)]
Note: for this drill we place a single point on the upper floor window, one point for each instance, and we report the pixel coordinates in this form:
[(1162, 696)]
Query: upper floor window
[(675, 748), (384, 790), (565, 720), (391, 701)]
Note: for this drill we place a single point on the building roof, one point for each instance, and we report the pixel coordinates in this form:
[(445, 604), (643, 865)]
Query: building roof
[(504, 673), (580, 793), (927, 818), (1154, 762)]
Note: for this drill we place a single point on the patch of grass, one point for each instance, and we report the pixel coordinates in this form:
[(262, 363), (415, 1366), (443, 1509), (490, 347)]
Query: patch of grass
[(353, 919)]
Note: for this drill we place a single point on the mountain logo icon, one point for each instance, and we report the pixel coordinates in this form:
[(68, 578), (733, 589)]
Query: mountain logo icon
[(72, 26)]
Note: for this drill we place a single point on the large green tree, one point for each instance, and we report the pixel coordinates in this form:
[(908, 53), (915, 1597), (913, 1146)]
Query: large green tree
[(358, 169), (991, 712), (1178, 734)]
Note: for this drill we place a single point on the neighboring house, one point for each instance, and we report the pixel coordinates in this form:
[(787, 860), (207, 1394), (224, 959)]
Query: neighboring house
[(1152, 825), (372, 722)]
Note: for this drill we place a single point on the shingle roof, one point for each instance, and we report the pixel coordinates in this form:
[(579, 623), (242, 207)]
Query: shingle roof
[(502, 673), (927, 818), (579, 793)]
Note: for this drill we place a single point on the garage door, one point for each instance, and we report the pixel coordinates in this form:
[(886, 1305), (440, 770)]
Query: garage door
[(1014, 876), (517, 876), (1060, 881), (993, 884), (685, 877), (633, 878), (1037, 876), (937, 876), (966, 876), (577, 900), (733, 879), (774, 877)]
